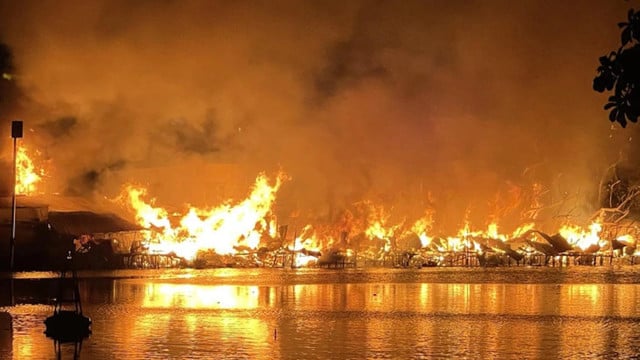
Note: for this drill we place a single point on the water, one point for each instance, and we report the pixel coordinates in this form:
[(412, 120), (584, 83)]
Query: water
[(505, 313)]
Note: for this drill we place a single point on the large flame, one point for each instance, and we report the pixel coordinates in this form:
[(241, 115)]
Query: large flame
[(378, 228), (225, 229), (581, 238), (306, 247), (422, 227), (27, 175), (241, 227), (233, 228)]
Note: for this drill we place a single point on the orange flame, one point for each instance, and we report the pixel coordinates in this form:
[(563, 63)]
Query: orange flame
[(224, 229), (27, 176), (577, 236), (378, 229), (307, 241), (421, 227), (231, 228)]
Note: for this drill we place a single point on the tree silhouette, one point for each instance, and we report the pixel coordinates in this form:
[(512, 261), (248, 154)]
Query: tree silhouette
[(8, 90), (620, 71), (6, 61)]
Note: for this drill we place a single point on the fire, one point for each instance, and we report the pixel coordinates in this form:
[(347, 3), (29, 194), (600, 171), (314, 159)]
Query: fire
[(241, 227), (581, 238), (629, 241), (27, 175), (464, 239), (421, 227), (244, 227), (224, 229), (378, 229), (306, 247)]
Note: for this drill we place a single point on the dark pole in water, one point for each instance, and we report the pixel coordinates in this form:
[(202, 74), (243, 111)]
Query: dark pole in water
[(16, 132)]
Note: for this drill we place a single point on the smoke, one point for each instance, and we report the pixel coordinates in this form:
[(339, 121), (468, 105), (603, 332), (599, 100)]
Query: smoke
[(413, 104)]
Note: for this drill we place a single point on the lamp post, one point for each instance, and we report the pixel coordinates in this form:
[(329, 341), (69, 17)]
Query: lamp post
[(16, 132)]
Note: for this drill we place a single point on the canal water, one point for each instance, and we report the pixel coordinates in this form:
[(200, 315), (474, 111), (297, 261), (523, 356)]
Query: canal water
[(475, 313)]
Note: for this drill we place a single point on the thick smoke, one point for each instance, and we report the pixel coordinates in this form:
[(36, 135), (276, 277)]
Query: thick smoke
[(411, 104)]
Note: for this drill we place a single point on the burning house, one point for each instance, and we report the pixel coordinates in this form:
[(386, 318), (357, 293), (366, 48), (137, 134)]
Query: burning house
[(248, 230)]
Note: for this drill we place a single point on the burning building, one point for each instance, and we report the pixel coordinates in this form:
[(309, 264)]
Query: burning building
[(250, 229), (375, 106), (48, 227)]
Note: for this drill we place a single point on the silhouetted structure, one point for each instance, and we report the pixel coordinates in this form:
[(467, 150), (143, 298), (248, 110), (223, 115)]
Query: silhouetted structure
[(44, 236), (68, 323)]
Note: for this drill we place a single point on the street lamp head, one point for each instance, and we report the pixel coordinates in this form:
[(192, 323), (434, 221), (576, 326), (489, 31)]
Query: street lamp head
[(16, 129)]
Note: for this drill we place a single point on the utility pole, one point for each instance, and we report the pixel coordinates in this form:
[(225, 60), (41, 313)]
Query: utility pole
[(16, 132)]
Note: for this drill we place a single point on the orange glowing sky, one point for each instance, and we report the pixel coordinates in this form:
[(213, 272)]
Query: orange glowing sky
[(405, 103)]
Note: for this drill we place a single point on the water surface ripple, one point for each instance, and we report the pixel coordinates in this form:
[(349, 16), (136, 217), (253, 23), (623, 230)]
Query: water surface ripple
[(506, 313)]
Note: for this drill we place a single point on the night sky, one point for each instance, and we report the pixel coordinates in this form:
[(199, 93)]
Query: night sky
[(405, 103)]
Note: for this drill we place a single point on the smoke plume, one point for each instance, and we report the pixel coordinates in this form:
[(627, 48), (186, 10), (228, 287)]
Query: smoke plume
[(411, 104)]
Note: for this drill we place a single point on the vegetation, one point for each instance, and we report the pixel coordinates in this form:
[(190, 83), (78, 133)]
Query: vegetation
[(619, 71)]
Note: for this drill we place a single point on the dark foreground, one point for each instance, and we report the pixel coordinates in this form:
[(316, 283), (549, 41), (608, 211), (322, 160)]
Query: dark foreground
[(506, 313)]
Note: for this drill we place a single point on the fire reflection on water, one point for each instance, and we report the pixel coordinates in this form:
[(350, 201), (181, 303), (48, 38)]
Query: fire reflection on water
[(177, 318), (187, 296), (588, 294), (24, 348), (191, 312), (528, 299)]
